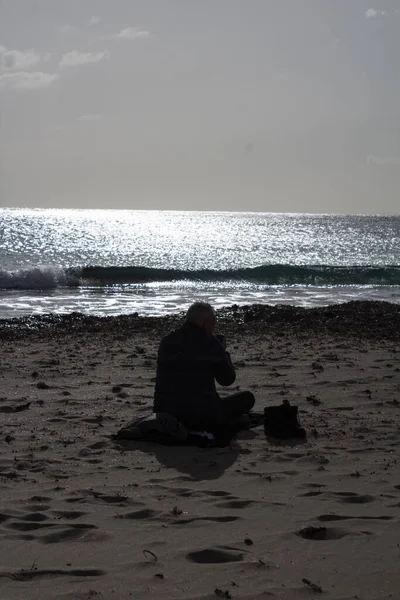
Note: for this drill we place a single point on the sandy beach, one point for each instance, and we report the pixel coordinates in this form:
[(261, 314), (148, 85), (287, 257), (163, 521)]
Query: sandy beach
[(83, 516)]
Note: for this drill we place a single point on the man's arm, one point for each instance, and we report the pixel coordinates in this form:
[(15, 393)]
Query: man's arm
[(224, 371)]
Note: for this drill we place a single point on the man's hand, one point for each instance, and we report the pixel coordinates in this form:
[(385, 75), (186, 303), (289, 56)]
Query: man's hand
[(222, 340)]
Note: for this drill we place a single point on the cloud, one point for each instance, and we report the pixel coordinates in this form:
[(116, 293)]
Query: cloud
[(15, 60), (75, 58), (371, 13), (94, 20), (131, 33), (91, 117), (65, 28), (15, 73), (27, 80), (383, 160)]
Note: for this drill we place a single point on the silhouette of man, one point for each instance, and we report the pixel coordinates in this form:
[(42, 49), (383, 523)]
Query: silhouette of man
[(189, 362)]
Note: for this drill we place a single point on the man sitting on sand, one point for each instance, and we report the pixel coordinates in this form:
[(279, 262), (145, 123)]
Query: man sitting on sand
[(190, 360)]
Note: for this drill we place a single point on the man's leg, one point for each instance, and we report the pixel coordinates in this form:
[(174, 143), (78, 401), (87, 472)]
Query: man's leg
[(236, 405)]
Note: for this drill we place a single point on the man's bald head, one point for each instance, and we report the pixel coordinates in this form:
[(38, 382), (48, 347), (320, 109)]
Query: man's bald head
[(202, 315)]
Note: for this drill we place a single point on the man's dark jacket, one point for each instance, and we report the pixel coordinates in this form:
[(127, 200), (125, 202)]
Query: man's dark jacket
[(189, 361)]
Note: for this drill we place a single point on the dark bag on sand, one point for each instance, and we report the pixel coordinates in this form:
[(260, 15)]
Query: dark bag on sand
[(282, 422)]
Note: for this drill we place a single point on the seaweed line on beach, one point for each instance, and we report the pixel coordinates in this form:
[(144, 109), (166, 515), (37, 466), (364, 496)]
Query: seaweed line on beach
[(356, 319)]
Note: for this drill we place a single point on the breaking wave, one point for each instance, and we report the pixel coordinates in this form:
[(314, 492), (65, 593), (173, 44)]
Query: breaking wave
[(40, 278)]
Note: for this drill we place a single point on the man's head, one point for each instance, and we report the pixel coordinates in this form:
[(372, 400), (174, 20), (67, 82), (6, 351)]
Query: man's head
[(203, 315)]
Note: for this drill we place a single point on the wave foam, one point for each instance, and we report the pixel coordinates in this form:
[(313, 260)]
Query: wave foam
[(36, 278)]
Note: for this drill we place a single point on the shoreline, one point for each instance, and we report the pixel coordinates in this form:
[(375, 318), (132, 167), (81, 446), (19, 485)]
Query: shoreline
[(367, 319)]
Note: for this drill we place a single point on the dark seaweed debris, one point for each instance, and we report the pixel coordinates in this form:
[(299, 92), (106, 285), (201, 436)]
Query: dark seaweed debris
[(358, 319)]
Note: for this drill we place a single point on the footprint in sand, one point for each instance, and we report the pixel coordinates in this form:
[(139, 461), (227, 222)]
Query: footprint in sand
[(146, 513), (216, 493), (5, 517), (68, 514), (357, 499), (76, 499), (38, 499), (314, 485), (187, 494), (98, 445), (38, 574), (333, 517), (28, 526), (14, 409), (34, 516), (322, 533), (226, 519), (216, 555), (235, 504), (90, 495), (73, 532)]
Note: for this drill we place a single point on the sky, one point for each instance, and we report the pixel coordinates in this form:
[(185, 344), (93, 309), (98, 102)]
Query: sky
[(247, 105)]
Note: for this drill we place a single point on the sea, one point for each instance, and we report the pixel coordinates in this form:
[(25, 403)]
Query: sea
[(153, 263)]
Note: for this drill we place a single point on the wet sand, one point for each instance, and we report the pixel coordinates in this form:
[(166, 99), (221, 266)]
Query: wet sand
[(82, 516)]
